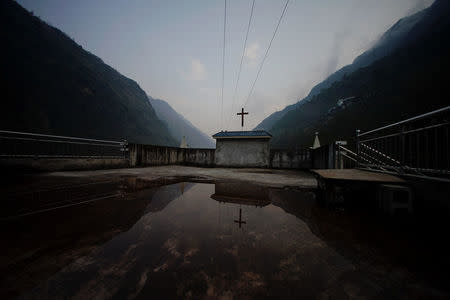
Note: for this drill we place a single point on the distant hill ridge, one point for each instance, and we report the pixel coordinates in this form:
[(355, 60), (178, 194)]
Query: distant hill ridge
[(411, 79), (397, 36), (180, 126), (51, 85)]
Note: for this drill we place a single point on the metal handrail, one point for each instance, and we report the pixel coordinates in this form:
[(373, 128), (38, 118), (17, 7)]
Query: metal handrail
[(409, 147), (349, 157), (355, 159), (368, 156), (381, 154), (61, 137), (345, 149), (59, 141), (405, 132), (416, 118), (25, 144)]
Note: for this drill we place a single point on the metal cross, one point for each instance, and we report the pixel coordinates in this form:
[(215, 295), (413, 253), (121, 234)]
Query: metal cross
[(242, 113), (240, 219)]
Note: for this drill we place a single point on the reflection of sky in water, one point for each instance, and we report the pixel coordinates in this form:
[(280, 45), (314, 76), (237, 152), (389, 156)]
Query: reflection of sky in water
[(190, 245)]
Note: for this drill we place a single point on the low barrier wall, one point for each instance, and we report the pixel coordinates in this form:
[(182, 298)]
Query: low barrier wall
[(149, 155), (290, 159), (199, 157)]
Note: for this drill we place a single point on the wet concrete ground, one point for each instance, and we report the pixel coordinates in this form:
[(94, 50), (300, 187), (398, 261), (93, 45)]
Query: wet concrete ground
[(267, 177), (127, 237)]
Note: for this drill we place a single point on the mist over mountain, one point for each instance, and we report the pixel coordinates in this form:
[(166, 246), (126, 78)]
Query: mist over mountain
[(399, 35), (406, 73), (179, 126), (51, 85)]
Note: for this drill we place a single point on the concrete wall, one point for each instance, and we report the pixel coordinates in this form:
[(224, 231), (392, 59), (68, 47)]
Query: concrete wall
[(199, 157), (290, 159), (242, 153), (149, 155), (229, 153)]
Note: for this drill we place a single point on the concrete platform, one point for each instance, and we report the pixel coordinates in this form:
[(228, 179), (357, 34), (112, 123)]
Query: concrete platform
[(266, 177), (356, 175)]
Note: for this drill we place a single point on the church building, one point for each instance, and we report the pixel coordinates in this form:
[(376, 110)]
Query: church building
[(242, 148)]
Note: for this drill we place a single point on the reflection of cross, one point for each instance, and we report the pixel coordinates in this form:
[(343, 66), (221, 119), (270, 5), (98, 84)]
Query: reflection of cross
[(240, 218), (242, 113)]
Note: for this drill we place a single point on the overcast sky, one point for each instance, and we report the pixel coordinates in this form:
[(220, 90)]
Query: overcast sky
[(173, 49)]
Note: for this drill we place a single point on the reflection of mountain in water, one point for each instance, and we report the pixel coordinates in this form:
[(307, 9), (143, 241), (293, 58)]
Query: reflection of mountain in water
[(162, 196), (39, 245), (364, 237), (197, 242), (340, 230), (297, 203)]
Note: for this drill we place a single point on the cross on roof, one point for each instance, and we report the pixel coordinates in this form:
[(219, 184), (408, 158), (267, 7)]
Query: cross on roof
[(242, 113), (240, 218)]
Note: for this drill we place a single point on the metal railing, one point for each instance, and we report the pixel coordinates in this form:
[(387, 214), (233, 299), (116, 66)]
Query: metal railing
[(346, 158), (418, 146), (15, 144)]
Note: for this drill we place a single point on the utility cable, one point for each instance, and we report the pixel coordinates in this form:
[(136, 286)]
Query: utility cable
[(265, 55), (242, 59), (223, 61)]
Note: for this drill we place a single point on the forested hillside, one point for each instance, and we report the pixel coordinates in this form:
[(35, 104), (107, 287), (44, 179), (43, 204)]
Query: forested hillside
[(410, 80), (51, 85)]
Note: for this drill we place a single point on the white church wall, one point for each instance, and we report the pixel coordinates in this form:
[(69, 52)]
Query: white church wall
[(242, 153)]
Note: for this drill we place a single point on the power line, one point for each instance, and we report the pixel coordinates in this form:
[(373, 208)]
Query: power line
[(242, 59), (223, 61), (265, 55)]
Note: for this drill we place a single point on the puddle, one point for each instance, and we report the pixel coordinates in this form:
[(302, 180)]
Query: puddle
[(195, 240)]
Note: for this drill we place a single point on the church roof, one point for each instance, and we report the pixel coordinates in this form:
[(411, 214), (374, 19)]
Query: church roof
[(261, 134)]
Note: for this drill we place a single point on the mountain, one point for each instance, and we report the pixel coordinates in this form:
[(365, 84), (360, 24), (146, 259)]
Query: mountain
[(399, 35), (51, 85), (410, 80), (179, 126)]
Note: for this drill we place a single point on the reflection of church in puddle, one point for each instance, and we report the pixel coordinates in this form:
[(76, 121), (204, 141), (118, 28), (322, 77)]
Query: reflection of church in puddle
[(238, 193)]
